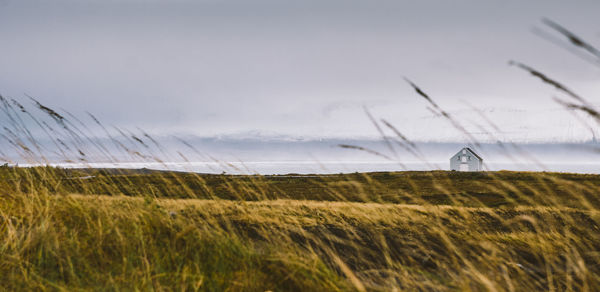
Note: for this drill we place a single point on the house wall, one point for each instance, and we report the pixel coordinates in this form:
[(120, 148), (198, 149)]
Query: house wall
[(474, 164)]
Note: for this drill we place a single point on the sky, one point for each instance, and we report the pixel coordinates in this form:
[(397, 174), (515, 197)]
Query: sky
[(303, 69)]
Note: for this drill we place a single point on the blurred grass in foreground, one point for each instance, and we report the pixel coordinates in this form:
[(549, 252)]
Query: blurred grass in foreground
[(503, 231)]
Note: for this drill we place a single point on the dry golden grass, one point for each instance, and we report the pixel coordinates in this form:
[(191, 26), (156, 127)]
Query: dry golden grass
[(74, 241)]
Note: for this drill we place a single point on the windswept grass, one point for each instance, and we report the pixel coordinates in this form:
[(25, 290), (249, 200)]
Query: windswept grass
[(69, 241), (492, 189)]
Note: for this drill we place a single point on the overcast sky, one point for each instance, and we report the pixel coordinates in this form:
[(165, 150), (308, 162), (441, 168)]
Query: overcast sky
[(298, 68)]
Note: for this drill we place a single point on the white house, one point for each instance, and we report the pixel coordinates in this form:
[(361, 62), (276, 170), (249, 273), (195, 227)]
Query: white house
[(466, 160)]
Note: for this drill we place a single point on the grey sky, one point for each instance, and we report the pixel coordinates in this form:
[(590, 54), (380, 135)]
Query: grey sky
[(297, 68)]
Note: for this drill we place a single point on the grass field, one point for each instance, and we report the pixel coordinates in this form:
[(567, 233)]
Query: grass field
[(149, 230)]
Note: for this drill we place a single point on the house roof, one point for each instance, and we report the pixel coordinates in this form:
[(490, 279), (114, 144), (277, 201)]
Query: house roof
[(473, 152)]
